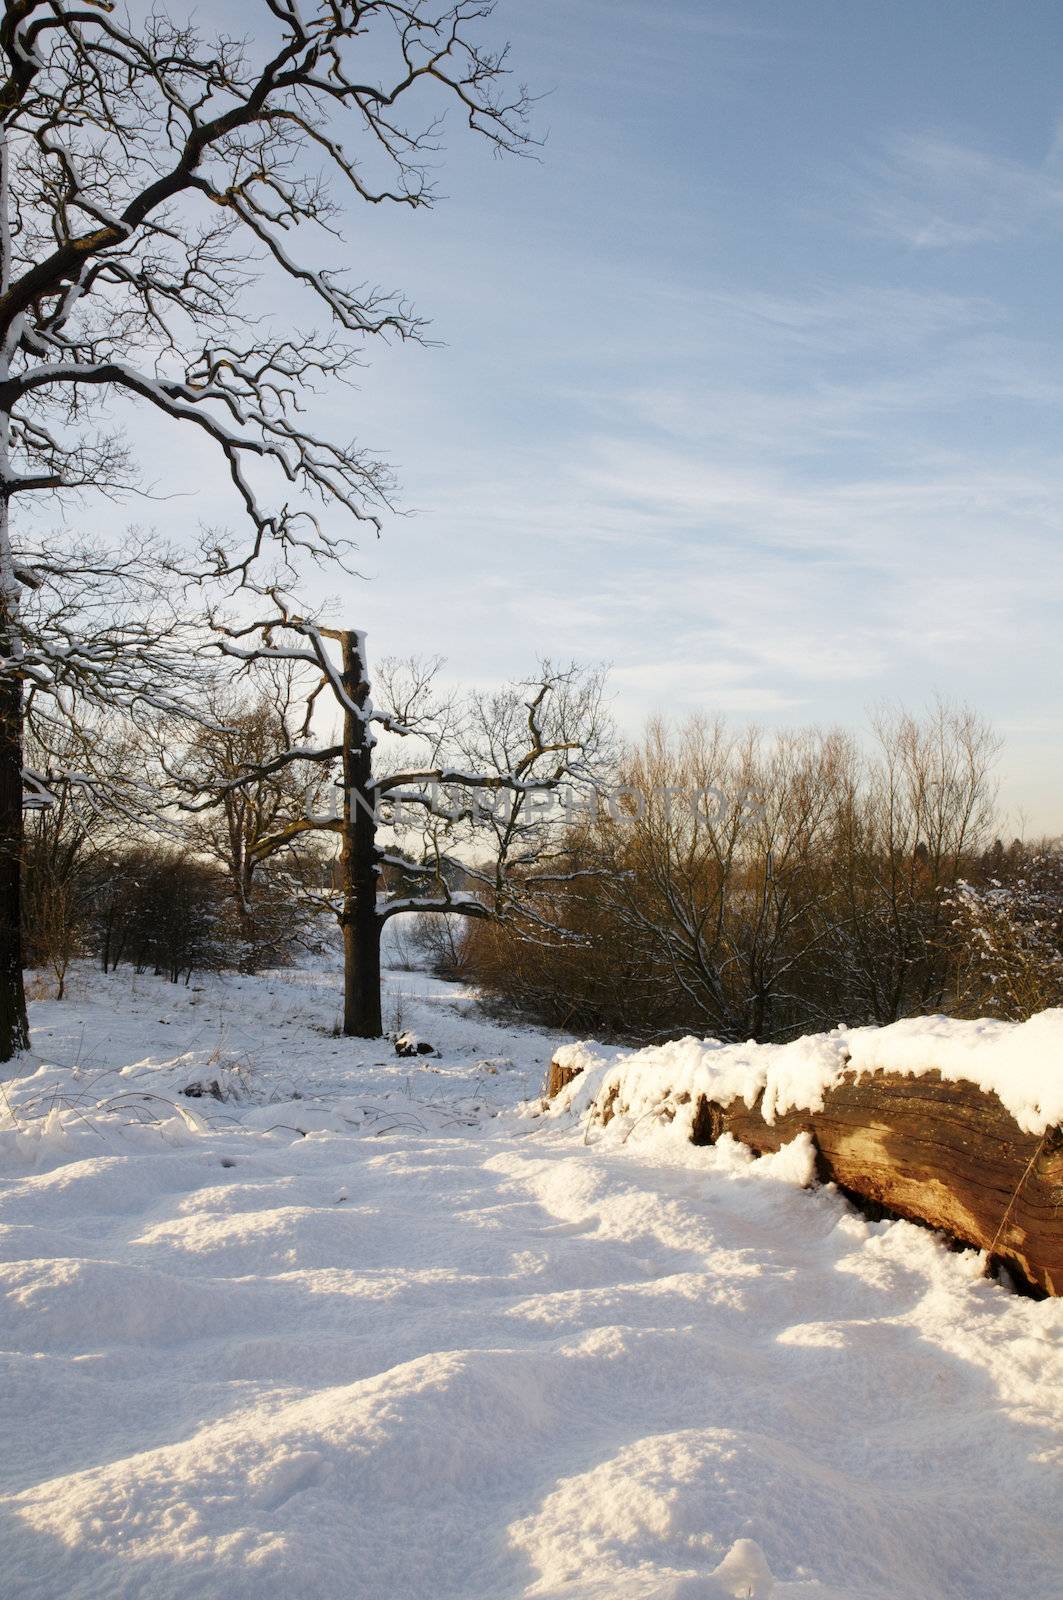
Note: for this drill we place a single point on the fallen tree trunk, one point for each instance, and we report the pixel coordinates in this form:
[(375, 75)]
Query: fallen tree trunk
[(932, 1150)]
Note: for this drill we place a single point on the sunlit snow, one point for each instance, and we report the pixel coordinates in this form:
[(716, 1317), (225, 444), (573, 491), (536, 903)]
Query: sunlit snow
[(366, 1327)]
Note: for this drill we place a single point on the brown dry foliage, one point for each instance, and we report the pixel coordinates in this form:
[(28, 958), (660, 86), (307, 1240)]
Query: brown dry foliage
[(812, 885)]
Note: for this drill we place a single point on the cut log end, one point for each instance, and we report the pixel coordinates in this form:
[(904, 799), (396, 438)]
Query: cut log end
[(558, 1077)]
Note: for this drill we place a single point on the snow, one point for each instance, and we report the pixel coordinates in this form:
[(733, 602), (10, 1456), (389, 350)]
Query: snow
[(375, 1327), (1021, 1062)]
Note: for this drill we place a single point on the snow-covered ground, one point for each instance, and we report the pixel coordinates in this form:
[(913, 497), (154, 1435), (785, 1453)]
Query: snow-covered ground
[(369, 1327)]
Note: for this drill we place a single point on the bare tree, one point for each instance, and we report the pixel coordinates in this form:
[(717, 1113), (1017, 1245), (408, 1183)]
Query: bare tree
[(905, 833), (59, 881), (719, 882), (763, 887), (146, 174), (253, 829), (96, 633), (531, 740), (160, 907)]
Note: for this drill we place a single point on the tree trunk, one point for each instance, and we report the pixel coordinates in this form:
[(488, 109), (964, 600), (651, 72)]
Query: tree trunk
[(361, 978), (944, 1153), (14, 1027), (359, 861), (242, 876)]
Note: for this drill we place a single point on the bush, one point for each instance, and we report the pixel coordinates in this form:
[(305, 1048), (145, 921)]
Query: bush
[(159, 908), (808, 883), (1009, 935)]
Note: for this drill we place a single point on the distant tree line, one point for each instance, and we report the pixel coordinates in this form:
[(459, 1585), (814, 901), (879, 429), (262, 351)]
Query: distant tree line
[(156, 905), (227, 841), (815, 882), (705, 880)]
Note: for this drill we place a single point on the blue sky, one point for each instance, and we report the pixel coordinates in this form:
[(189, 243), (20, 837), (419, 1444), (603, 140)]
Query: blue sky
[(750, 384)]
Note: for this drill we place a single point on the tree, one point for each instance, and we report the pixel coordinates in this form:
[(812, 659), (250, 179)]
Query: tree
[(146, 175), (252, 829), (78, 655), (759, 888), (710, 858), (54, 904), (530, 740), (906, 832), (157, 906)]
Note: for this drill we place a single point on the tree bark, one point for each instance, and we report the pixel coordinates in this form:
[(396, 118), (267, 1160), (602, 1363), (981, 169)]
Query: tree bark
[(359, 858), (931, 1150), (14, 1025)]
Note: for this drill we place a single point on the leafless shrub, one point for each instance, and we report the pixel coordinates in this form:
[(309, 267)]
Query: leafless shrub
[(1008, 933), (439, 940), (807, 883)]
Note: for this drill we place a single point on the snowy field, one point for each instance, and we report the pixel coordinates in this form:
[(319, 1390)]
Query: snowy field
[(370, 1327)]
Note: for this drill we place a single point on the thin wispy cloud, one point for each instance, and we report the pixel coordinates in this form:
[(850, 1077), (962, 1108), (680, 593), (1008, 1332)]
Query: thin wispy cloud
[(933, 194)]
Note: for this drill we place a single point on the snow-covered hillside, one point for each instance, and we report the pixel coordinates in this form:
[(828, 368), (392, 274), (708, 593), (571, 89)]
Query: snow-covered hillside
[(369, 1327)]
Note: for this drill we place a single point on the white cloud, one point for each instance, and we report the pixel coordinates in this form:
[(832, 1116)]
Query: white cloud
[(933, 193)]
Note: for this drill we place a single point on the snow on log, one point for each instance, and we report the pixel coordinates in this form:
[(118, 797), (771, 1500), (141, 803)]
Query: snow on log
[(949, 1123)]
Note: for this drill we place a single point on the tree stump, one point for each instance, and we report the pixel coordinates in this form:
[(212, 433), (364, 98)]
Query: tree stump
[(558, 1077)]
